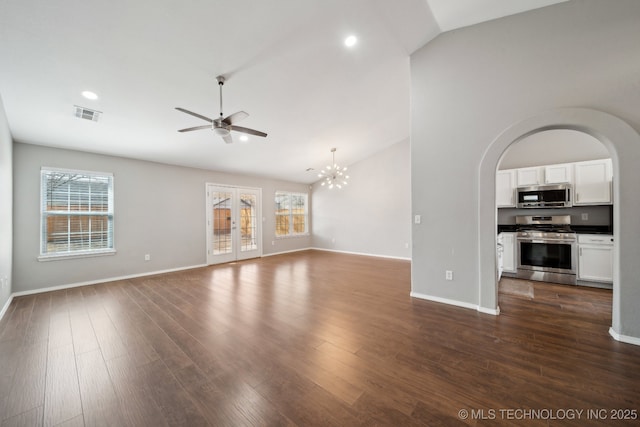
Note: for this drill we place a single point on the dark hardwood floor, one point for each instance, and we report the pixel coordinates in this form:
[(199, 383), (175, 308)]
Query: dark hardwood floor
[(310, 339)]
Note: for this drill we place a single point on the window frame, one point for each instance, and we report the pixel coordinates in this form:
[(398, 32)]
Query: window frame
[(291, 233), (109, 213)]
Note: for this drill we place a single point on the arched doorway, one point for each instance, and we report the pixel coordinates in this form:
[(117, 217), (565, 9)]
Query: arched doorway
[(623, 142), (556, 157)]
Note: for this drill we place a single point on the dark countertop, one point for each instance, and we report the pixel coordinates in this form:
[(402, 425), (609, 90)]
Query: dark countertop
[(579, 229), (592, 229)]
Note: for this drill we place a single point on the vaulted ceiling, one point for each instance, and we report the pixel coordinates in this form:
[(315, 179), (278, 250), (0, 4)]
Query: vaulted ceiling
[(284, 60)]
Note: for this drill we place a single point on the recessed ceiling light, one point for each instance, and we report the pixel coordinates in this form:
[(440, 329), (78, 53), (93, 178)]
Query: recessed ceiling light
[(244, 138), (89, 95), (350, 41)]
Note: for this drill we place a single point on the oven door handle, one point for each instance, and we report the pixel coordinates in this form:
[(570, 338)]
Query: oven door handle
[(533, 240), (527, 240)]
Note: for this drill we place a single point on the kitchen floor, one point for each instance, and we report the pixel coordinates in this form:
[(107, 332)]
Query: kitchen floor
[(521, 293)]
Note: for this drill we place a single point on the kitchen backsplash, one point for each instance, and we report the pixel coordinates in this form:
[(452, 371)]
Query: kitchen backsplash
[(597, 215)]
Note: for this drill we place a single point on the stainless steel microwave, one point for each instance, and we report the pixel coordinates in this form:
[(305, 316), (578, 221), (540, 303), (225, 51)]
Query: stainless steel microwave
[(545, 196)]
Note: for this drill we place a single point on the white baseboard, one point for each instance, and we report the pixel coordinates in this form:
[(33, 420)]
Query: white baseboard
[(286, 252), (443, 300), (624, 338), (455, 303), (109, 279), (362, 254), (6, 306), (492, 311)]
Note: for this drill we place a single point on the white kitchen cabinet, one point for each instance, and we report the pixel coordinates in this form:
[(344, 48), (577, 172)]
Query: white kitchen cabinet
[(595, 258), (505, 188), (592, 182), (530, 176), (509, 252), (558, 174)]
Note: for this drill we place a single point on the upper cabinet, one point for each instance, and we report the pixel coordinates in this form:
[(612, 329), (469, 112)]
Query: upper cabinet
[(592, 181), (530, 176), (592, 185), (506, 188), (558, 174)]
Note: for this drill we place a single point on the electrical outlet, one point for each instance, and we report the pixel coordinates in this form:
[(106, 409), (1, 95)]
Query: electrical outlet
[(417, 219), (585, 217), (147, 257), (406, 246), (448, 275), (273, 243)]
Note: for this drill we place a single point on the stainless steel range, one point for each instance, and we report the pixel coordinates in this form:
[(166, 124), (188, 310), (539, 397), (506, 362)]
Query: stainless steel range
[(546, 248)]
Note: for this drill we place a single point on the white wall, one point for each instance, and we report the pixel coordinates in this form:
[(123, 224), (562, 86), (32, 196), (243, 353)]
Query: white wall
[(6, 208), (471, 85), (372, 214), (159, 210), (552, 147)]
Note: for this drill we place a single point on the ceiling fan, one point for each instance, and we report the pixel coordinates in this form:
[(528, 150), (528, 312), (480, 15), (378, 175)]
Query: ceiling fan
[(222, 126)]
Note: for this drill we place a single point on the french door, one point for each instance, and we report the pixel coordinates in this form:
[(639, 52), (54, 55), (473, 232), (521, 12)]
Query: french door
[(234, 223)]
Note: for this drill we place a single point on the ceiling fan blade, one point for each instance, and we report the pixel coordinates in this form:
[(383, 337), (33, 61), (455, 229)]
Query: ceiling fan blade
[(235, 118), (195, 128), (228, 139), (247, 130), (195, 114)]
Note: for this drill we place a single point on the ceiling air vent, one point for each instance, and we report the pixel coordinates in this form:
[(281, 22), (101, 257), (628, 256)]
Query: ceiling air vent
[(86, 113)]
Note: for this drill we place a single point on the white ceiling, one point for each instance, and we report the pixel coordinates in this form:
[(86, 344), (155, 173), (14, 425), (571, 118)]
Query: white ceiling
[(285, 63)]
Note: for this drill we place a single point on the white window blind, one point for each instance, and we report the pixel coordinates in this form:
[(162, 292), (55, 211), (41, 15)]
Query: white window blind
[(76, 212), (292, 214)]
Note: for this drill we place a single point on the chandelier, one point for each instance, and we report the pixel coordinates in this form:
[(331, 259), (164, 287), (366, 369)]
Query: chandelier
[(333, 175)]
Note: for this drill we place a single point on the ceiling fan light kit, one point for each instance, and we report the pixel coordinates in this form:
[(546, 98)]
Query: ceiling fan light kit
[(222, 126), (221, 131), (333, 175)]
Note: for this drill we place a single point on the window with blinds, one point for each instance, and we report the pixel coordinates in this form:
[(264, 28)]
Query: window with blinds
[(76, 213), (292, 214)]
